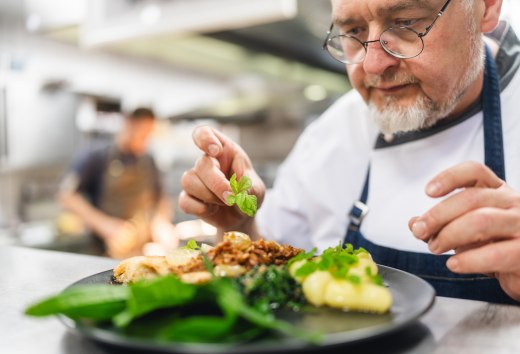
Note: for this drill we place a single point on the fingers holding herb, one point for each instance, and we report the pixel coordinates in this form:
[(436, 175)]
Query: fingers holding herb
[(193, 183), (208, 182), (206, 187)]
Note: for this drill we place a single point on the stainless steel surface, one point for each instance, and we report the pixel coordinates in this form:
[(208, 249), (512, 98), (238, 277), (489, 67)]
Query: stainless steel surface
[(26, 275)]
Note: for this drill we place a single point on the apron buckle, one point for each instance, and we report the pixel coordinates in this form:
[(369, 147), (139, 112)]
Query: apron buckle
[(357, 214)]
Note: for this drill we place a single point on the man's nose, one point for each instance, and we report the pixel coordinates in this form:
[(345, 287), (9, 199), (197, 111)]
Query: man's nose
[(377, 60)]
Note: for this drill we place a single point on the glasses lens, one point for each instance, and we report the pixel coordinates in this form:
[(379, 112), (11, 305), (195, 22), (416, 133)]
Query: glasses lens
[(346, 49), (402, 42)]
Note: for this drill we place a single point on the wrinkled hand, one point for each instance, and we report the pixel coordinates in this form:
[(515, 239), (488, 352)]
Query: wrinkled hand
[(206, 185), (480, 221)]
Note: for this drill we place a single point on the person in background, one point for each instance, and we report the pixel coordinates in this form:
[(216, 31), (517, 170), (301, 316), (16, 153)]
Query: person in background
[(116, 190), (419, 164)]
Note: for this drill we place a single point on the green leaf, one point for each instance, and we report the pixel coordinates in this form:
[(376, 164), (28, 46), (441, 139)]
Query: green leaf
[(248, 206), (191, 245), (244, 184), (340, 273), (267, 320), (231, 199), (326, 262), (240, 198), (349, 248), (337, 261), (377, 280), (302, 255), (245, 202), (233, 183), (99, 302), (360, 250), (232, 301), (149, 295), (230, 317), (198, 328), (354, 279), (209, 328), (306, 269)]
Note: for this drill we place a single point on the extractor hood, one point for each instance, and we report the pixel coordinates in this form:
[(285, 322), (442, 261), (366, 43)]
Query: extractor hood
[(115, 21)]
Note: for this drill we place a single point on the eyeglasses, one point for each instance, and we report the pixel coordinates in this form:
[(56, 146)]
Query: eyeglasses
[(401, 42)]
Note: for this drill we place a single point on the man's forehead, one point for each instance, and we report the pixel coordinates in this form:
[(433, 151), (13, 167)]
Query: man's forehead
[(345, 10)]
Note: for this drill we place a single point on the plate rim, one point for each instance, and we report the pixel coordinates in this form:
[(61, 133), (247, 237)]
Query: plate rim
[(289, 344)]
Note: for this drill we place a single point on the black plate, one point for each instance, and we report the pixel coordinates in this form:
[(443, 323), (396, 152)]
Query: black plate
[(412, 297)]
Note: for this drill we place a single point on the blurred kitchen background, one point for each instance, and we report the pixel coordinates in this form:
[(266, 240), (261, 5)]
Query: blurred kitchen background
[(69, 68)]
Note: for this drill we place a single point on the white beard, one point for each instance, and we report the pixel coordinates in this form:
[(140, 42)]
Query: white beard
[(424, 112)]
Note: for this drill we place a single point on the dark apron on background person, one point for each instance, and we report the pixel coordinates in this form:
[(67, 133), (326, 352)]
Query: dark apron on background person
[(127, 193), (430, 267)]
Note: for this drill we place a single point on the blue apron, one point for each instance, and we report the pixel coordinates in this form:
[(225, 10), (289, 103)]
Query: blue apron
[(430, 267)]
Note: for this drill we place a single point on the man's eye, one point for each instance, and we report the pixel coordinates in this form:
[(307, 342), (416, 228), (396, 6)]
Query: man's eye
[(406, 23), (353, 31)]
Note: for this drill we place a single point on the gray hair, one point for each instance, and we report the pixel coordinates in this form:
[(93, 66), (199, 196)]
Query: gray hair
[(467, 5)]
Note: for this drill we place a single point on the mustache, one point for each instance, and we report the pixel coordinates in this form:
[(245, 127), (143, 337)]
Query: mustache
[(394, 78)]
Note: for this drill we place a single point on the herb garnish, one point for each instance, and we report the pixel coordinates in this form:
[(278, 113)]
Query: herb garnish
[(302, 256), (191, 245), (245, 202), (337, 261)]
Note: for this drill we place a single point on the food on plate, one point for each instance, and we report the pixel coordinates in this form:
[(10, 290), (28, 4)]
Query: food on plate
[(233, 257), (343, 278), (227, 293)]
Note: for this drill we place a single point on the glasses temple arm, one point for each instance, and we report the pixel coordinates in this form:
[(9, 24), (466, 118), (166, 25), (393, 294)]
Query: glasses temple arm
[(441, 12), (324, 46)]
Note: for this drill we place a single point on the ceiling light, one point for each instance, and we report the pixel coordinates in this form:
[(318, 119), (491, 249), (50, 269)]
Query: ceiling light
[(315, 93), (33, 22), (150, 14)]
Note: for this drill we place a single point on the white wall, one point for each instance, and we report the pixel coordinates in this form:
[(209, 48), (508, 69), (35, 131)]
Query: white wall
[(511, 12)]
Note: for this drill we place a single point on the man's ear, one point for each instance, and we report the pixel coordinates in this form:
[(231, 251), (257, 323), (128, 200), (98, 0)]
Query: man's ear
[(491, 15)]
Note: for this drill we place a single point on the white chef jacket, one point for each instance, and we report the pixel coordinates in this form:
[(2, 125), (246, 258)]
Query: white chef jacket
[(324, 174)]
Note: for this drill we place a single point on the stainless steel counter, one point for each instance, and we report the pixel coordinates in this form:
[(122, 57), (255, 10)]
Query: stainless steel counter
[(26, 275)]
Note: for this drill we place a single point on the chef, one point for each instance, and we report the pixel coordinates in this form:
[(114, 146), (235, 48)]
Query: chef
[(116, 190), (419, 164)]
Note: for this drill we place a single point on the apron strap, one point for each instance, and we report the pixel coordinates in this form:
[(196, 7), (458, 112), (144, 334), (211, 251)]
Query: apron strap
[(493, 143)]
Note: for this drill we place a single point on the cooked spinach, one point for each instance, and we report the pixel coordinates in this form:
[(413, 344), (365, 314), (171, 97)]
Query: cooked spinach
[(271, 287)]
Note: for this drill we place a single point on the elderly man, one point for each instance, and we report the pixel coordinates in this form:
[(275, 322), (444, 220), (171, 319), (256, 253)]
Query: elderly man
[(427, 145)]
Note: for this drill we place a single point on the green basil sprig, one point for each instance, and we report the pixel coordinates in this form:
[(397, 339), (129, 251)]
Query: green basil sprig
[(240, 197)]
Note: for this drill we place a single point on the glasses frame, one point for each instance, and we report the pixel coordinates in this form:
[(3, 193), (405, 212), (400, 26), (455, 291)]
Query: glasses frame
[(365, 44)]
